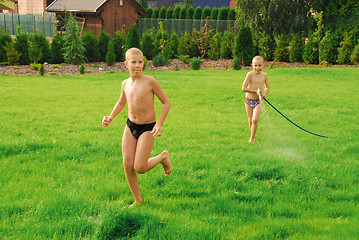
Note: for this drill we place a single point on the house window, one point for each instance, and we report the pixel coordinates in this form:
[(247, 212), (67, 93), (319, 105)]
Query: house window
[(120, 2)]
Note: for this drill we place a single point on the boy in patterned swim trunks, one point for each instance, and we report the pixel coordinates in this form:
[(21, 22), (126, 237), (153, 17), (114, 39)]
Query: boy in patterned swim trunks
[(253, 86), (139, 92)]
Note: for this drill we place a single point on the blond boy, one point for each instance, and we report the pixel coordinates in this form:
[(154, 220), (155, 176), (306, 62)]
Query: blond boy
[(141, 127), (253, 86)]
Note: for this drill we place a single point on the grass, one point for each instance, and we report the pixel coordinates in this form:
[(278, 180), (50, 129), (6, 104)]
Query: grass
[(61, 175)]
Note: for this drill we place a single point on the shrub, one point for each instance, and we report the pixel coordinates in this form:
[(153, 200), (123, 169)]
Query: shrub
[(328, 48), (103, 41), (222, 19), (167, 52), (145, 61), (159, 60), (119, 44), (41, 69), (214, 16), (35, 66), (4, 38), (196, 63), (169, 13), (162, 13), (13, 57), (202, 39), (197, 18), (214, 51), (175, 16), (311, 51), (243, 48), (354, 57), (227, 45), (148, 12), (189, 19), (147, 45), (281, 52), (205, 13), (74, 51), (57, 45), (110, 56), (345, 49), (34, 49), (296, 48), (231, 17), (82, 69), (44, 46), (174, 42), (267, 47), (91, 46), (184, 58), (133, 38), (181, 24), (236, 64), (187, 45), (154, 17), (22, 47)]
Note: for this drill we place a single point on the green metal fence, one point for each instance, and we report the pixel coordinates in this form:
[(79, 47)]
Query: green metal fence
[(30, 23)]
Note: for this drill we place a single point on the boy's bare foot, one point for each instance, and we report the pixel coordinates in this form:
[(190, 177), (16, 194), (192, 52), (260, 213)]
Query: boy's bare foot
[(252, 140), (135, 204), (166, 163)]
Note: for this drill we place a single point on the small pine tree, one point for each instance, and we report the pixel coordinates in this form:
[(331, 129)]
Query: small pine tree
[(296, 48), (328, 49), (236, 64), (227, 45), (57, 45), (197, 18), (354, 57), (231, 17), (103, 41), (46, 55), (281, 52), (162, 13), (189, 19), (90, 43), (196, 63), (215, 47), (34, 48), (74, 51), (147, 46), (174, 42), (175, 17), (222, 19), (4, 38), (243, 48), (41, 69), (345, 49), (13, 57), (311, 51), (214, 16), (154, 17), (187, 46), (22, 47), (267, 47), (110, 56), (82, 69), (133, 38), (119, 44), (182, 22)]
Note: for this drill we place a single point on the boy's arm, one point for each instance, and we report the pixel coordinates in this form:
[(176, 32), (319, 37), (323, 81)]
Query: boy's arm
[(246, 82), (121, 103), (166, 104), (267, 88)]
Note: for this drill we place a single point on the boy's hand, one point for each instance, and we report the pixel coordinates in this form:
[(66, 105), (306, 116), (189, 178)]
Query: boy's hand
[(106, 120), (157, 130)]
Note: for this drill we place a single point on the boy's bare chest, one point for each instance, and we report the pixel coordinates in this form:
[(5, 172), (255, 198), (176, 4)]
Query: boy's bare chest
[(138, 92), (257, 80)]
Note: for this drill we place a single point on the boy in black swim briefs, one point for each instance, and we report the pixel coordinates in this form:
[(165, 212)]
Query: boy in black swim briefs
[(253, 86), (141, 128)]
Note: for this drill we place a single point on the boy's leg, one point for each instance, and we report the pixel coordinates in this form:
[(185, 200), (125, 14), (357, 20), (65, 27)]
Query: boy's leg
[(143, 151), (249, 111), (255, 118), (129, 144)]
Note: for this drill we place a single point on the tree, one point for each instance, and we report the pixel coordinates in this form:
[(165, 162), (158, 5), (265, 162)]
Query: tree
[(296, 48), (74, 51), (103, 41), (147, 46), (110, 56), (143, 3), (162, 13), (243, 48), (227, 45), (90, 43), (133, 38), (197, 18), (222, 19), (189, 18), (345, 49), (119, 44), (206, 13), (56, 48), (22, 47), (4, 38)]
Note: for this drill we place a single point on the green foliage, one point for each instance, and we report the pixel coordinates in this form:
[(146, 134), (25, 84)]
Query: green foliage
[(119, 45), (169, 13), (161, 39), (22, 47), (202, 39), (214, 13), (176, 12), (187, 45), (206, 13), (296, 48), (189, 19), (345, 49), (311, 50), (145, 62), (174, 42), (110, 56), (133, 38), (143, 3), (267, 47), (184, 58), (56, 49), (214, 51), (82, 69), (159, 60), (34, 49), (91, 45), (74, 51), (222, 19), (231, 17), (227, 45), (147, 45), (13, 57), (4, 38), (148, 13), (197, 18), (196, 63), (35, 66), (243, 48), (354, 57), (162, 13), (41, 69), (103, 41), (236, 64), (328, 48), (281, 53)]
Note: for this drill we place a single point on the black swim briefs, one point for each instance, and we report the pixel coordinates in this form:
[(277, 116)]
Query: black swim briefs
[(138, 129)]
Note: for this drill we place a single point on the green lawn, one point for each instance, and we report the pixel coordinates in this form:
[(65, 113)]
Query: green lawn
[(61, 174)]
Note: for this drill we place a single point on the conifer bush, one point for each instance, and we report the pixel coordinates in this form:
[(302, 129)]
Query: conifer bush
[(174, 42), (345, 49), (154, 17), (281, 52), (189, 19), (35, 53), (227, 45), (13, 57), (159, 60), (182, 22), (267, 47), (236, 64), (169, 14), (205, 13), (110, 56), (222, 19), (147, 45), (197, 18), (231, 17), (311, 51), (41, 69), (296, 48), (82, 69), (214, 16), (214, 51), (56, 48), (243, 48), (91, 46), (74, 51), (103, 41), (175, 17), (196, 63), (328, 49), (4, 38), (46, 55), (162, 13), (119, 44), (354, 57), (133, 38), (22, 47)]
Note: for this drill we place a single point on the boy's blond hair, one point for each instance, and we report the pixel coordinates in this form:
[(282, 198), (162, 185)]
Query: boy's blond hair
[(258, 58), (133, 51)]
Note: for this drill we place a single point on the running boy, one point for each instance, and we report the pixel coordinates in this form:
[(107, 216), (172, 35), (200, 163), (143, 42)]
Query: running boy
[(253, 86), (141, 127)]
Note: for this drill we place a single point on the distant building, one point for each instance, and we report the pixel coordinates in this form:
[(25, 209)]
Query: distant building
[(28, 6)]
